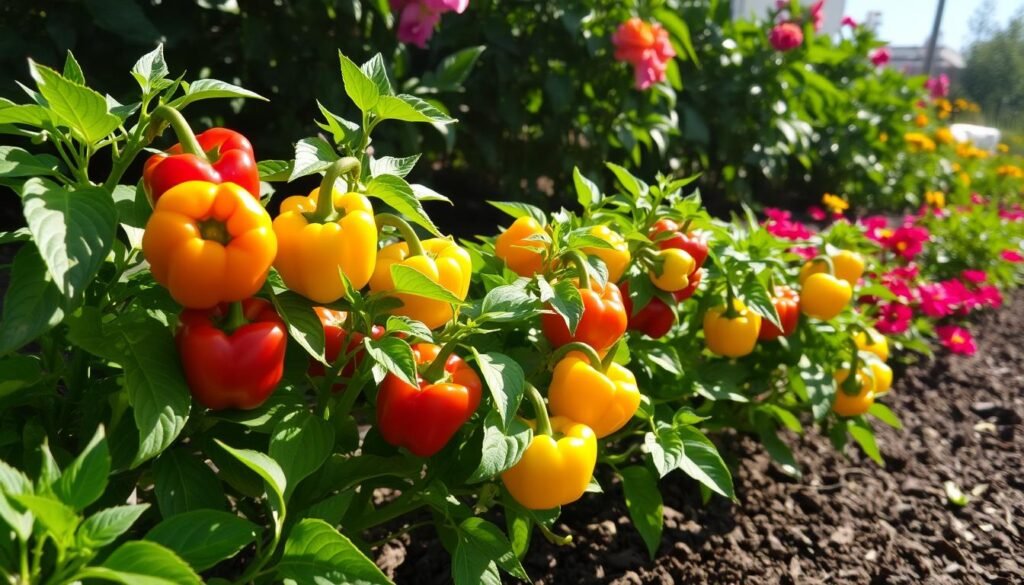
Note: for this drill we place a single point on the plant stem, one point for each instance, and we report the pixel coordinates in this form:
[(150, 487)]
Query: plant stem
[(186, 138), (325, 198), (403, 227), (582, 267), (543, 421), (586, 350), (405, 503), (435, 371), (236, 317)]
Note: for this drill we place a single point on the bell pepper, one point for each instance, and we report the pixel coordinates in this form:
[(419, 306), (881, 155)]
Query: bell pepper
[(209, 243), (602, 324), (336, 337), (424, 417), (583, 390), (236, 369), (554, 471), (320, 239), (877, 344), (669, 234), (695, 279), (616, 258), (787, 305), (439, 259), (217, 156), (846, 265), (824, 296), (858, 400), (883, 376), (523, 256), (654, 320), (731, 333), (672, 270)]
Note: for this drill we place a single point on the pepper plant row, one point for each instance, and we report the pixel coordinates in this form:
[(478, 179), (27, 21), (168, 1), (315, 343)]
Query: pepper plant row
[(194, 388)]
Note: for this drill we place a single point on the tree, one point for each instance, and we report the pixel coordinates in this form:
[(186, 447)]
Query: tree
[(994, 75)]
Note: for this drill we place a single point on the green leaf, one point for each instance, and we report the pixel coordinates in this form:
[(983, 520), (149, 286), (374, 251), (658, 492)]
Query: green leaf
[(266, 468), (882, 413), (411, 281), (631, 184), (205, 89), (490, 542), (453, 70), (409, 108), (389, 165), (862, 433), (312, 155), (85, 479), (470, 567), (877, 290), (103, 527), (13, 480), (317, 554), (378, 74), (275, 171), (141, 562), (587, 192), (342, 131), (392, 355), (73, 230), (18, 162), (779, 451), (203, 538), (19, 522), (787, 418), (17, 236), (359, 87), (567, 303), (508, 303), (757, 298), (301, 443), (304, 325), (517, 210), (32, 303), (820, 388), (151, 70), (643, 501), (17, 373), (505, 381), (395, 192), (424, 193), (679, 30), (702, 462), (59, 519), (501, 449), (183, 483), (665, 447), (27, 114), (83, 110)]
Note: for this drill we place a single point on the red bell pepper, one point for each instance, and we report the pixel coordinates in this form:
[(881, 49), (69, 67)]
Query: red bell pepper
[(695, 278), (423, 418), (335, 337), (787, 305), (696, 246), (602, 324), (231, 161), (654, 320), (239, 369)]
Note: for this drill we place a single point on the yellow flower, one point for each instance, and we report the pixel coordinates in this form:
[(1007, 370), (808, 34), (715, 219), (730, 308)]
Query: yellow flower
[(961, 104), (834, 203), (921, 120), (943, 136), (1012, 171), (1004, 148), (965, 179), (883, 137), (956, 167), (936, 199), (919, 142)]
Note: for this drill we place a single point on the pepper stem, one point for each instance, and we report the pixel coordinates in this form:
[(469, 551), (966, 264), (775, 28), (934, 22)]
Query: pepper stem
[(577, 258), (325, 198), (869, 335), (543, 422), (435, 371), (186, 138), (850, 385), (730, 301), (830, 266), (236, 317), (609, 358), (588, 351), (403, 227)]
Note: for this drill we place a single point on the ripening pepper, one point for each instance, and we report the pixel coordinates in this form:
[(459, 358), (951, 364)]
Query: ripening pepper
[(691, 243), (231, 161), (239, 369), (423, 418), (209, 243), (336, 337), (602, 324), (554, 472), (654, 320), (847, 265), (615, 258), (787, 305), (883, 376), (673, 272), (442, 261), (602, 400), (857, 403), (695, 278), (878, 345), (824, 296), (523, 256), (312, 253), (731, 335)]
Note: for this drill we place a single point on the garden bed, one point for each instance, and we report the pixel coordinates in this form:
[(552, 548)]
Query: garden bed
[(847, 520)]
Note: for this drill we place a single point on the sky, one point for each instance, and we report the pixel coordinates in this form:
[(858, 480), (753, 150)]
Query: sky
[(909, 22)]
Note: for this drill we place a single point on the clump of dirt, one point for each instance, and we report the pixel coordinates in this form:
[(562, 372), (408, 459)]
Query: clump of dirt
[(847, 520)]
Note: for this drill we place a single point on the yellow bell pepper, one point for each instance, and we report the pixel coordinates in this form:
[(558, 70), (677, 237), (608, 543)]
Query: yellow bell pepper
[(880, 347), (209, 243), (732, 335), (442, 261), (883, 376), (847, 265), (676, 267), (854, 404), (523, 256), (319, 240), (554, 472), (615, 258), (602, 400), (824, 296)]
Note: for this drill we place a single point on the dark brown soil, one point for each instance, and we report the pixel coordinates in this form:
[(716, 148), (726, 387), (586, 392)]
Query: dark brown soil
[(847, 520)]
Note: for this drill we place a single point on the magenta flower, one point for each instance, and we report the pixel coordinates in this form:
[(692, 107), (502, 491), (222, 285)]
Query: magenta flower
[(781, 225), (894, 318), (646, 47), (907, 241), (988, 296), (935, 300), (786, 36), (849, 21), (817, 12), (442, 6), (938, 86), (1012, 256), (816, 213), (806, 252), (956, 339), (974, 276), (880, 56), (977, 199), (418, 18)]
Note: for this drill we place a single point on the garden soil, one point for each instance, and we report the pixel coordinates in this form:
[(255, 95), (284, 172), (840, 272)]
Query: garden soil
[(846, 521)]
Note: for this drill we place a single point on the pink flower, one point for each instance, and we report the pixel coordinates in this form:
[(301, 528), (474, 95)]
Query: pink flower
[(876, 227), (880, 56), (977, 199), (807, 252), (849, 21), (786, 36), (780, 225), (1011, 214), (818, 14), (816, 213), (935, 300), (959, 295), (646, 47), (442, 6), (956, 339), (988, 296), (974, 276), (938, 86), (894, 318), (1012, 256), (418, 18), (907, 241)]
